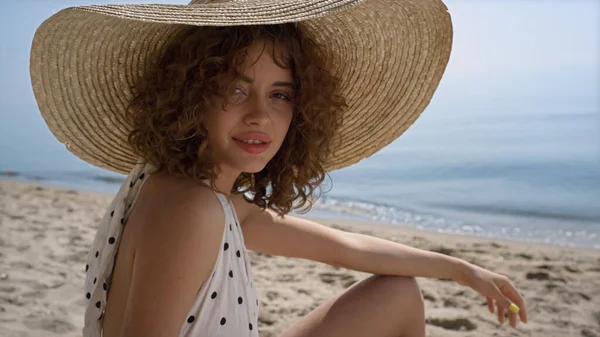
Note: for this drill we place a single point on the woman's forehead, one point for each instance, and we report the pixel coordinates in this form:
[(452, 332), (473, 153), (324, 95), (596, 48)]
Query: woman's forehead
[(265, 56)]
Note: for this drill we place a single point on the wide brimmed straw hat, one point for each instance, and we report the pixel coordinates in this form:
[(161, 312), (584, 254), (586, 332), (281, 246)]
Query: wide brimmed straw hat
[(389, 55)]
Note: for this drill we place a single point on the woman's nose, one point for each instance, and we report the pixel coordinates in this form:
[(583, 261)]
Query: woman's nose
[(257, 113)]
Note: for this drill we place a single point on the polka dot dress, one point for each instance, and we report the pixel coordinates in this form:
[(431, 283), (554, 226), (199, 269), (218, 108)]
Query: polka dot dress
[(225, 305)]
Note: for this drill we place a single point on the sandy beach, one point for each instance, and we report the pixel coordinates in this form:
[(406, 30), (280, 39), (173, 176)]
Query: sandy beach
[(47, 231)]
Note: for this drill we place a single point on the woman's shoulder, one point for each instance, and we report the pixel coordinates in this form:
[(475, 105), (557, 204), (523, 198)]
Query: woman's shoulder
[(178, 191), (176, 184), (166, 200)]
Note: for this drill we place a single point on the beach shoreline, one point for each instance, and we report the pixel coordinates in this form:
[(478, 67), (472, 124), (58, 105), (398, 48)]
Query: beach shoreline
[(366, 225), (47, 230)]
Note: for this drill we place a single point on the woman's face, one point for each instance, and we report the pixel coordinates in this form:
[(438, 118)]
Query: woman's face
[(250, 130)]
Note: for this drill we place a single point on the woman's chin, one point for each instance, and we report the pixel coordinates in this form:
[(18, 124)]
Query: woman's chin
[(252, 167)]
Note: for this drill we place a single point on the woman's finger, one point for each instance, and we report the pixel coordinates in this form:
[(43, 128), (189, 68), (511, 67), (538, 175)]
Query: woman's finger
[(511, 292), (490, 303), (512, 318), (501, 299), (500, 312)]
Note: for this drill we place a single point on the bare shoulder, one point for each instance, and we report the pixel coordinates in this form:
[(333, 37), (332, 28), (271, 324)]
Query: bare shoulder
[(176, 208), (175, 205), (178, 226), (163, 194)]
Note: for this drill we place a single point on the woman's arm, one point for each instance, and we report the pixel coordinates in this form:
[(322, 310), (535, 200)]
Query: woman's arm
[(295, 237), (291, 236), (378, 256)]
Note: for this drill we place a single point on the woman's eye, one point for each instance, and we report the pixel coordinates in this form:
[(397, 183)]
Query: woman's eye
[(282, 96), (236, 95)]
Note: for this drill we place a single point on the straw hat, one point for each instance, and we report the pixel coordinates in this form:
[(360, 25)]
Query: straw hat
[(389, 54)]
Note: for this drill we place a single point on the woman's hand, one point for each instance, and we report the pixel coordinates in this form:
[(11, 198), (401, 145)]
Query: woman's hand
[(494, 287)]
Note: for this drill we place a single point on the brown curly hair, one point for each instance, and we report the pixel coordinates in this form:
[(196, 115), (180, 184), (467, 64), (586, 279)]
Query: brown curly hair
[(166, 111)]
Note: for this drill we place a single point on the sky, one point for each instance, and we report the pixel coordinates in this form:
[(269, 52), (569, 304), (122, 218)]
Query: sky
[(523, 49)]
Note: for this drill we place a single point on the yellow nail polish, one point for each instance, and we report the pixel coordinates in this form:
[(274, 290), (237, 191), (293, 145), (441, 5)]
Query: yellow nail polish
[(514, 308)]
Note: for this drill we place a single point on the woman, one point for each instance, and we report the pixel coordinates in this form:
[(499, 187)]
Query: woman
[(227, 116)]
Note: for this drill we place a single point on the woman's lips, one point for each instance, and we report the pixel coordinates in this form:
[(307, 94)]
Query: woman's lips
[(253, 135), (252, 148)]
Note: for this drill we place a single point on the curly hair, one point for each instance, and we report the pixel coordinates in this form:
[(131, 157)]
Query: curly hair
[(166, 111)]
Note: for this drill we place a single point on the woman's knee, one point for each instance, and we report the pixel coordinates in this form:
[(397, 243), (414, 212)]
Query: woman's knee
[(405, 287)]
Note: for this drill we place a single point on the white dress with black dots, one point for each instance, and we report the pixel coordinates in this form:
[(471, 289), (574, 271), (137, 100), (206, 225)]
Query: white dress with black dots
[(225, 305)]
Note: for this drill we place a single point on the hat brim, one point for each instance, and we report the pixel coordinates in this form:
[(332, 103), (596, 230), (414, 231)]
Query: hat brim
[(389, 55)]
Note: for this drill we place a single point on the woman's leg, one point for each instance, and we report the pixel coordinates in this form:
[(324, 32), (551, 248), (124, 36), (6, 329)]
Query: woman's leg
[(379, 306)]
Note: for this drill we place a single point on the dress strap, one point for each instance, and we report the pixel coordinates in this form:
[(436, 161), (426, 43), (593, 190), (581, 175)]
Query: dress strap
[(222, 198)]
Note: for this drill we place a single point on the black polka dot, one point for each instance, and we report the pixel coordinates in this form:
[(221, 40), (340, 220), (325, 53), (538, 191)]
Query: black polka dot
[(214, 295), (226, 246), (95, 280), (240, 300), (112, 213), (111, 240), (98, 304), (230, 228), (87, 266), (230, 273), (131, 184), (142, 176), (122, 221), (88, 296), (256, 301), (238, 253), (191, 319), (97, 252), (223, 320), (104, 285), (250, 326)]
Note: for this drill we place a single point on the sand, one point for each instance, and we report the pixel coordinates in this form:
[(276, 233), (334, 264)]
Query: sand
[(46, 232)]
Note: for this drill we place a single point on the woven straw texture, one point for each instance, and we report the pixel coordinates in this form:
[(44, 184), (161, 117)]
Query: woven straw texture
[(389, 54)]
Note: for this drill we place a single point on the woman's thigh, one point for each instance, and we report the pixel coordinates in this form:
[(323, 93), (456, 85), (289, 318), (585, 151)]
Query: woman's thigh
[(378, 306)]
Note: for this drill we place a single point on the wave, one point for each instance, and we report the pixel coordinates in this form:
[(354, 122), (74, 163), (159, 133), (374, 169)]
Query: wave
[(519, 225)]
